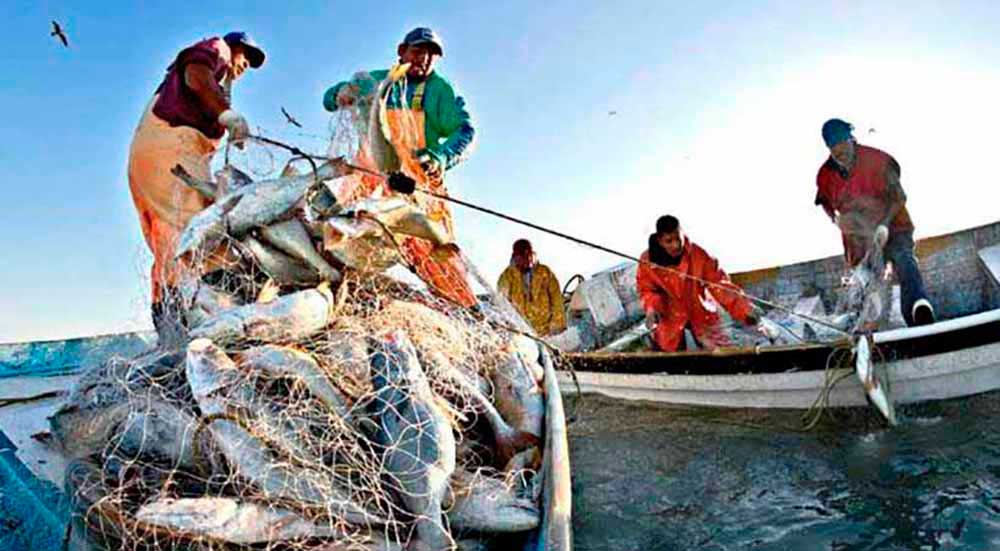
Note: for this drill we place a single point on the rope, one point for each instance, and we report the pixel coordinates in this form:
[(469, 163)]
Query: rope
[(568, 237)]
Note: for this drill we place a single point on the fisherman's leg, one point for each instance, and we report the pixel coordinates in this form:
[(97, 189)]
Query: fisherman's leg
[(156, 148), (899, 251)]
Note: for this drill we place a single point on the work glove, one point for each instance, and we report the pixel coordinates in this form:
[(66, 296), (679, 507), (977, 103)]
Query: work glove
[(881, 235), (237, 126), (401, 183), (431, 162)]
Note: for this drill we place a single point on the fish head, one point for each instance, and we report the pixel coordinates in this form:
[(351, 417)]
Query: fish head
[(206, 230), (209, 369), (230, 178)]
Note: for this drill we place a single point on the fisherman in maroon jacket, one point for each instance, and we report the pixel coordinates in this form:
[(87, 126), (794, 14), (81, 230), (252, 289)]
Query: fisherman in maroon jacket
[(858, 187)]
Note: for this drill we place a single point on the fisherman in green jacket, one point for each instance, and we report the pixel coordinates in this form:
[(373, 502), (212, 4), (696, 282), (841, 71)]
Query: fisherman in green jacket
[(447, 126), (427, 125)]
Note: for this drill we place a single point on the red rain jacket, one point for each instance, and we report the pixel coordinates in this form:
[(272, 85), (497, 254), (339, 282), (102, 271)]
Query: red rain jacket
[(681, 301), (861, 197)]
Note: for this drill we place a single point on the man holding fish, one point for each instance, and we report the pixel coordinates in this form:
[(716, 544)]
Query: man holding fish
[(183, 125), (858, 188), (425, 130)]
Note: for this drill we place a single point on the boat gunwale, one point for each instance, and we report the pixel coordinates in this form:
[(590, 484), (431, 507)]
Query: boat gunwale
[(895, 342)]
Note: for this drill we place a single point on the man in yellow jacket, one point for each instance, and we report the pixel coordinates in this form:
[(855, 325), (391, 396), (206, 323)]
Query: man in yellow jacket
[(534, 290)]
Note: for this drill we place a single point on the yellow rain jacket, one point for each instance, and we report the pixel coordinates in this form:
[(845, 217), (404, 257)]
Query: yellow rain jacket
[(542, 305)]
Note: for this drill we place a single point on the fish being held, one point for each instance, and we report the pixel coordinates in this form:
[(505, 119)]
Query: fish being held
[(865, 370)]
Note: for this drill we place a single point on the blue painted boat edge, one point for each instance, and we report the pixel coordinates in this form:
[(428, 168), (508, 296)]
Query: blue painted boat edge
[(36, 508), (63, 357)]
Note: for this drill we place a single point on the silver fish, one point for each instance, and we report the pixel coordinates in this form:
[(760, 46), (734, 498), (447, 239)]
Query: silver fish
[(863, 300), (292, 238), (281, 361), (283, 269), (229, 179), (485, 504), (286, 319), (378, 131), (419, 447), (202, 301), (230, 520), (98, 403), (865, 370), (518, 396), (158, 431), (213, 377), (259, 204), (508, 439), (371, 217)]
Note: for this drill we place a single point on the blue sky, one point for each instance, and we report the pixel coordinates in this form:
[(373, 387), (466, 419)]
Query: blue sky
[(718, 107)]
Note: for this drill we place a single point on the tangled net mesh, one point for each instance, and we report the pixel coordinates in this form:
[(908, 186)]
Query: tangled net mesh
[(313, 424)]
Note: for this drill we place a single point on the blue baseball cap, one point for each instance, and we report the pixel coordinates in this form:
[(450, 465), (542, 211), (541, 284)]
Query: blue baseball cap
[(836, 131), (255, 55), (424, 35)]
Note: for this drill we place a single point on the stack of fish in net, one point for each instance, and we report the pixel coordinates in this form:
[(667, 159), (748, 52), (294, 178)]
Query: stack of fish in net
[(302, 402)]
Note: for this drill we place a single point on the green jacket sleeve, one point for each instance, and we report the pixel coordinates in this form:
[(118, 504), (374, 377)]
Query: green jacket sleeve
[(365, 81), (453, 124)]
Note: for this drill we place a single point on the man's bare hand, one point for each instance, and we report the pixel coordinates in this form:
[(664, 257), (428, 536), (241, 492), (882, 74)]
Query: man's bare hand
[(652, 318)]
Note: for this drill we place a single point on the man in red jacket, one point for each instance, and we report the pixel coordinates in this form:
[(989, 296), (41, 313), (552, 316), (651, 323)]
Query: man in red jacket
[(681, 286), (858, 188)]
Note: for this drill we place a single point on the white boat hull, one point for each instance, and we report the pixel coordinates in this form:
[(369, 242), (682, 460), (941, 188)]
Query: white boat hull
[(937, 377)]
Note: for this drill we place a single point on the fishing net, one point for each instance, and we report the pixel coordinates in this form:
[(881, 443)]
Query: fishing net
[(288, 410)]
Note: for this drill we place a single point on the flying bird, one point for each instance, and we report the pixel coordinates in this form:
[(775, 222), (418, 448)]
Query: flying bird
[(58, 33), (871, 130), (291, 119), (612, 113)]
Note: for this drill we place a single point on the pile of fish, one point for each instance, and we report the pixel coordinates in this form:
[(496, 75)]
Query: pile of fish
[(305, 401)]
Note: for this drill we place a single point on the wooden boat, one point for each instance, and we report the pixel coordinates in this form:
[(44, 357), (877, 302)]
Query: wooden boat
[(34, 376), (957, 356)]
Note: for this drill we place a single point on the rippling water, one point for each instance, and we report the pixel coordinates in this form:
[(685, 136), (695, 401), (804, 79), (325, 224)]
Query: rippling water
[(647, 477)]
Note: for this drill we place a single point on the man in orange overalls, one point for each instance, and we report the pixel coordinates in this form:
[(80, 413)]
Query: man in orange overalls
[(430, 131), (682, 286), (183, 124)]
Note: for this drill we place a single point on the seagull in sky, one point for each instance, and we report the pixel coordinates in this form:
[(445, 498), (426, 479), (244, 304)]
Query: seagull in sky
[(58, 33), (291, 119)]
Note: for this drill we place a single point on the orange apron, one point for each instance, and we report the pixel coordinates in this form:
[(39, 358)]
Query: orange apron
[(164, 204), (447, 275)]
